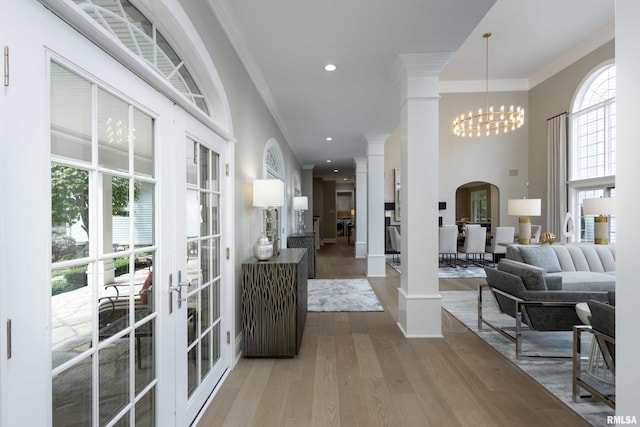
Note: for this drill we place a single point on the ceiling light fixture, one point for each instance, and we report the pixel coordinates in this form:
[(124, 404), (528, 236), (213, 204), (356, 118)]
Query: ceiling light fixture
[(488, 121), (328, 139), (335, 171), (330, 67), (328, 160)]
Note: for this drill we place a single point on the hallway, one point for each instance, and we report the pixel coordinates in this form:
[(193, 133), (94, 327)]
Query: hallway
[(358, 369)]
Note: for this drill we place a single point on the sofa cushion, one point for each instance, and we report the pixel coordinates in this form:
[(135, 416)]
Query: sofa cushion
[(585, 281), (532, 276), (541, 256)]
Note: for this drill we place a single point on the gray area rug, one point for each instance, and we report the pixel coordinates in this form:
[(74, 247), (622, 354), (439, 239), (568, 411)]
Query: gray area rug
[(553, 374), (341, 295), (446, 272)]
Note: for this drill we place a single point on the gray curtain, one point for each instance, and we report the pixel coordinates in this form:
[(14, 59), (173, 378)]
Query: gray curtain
[(557, 137)]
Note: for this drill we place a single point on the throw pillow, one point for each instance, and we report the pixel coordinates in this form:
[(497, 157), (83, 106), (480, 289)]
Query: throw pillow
[(541, 256)]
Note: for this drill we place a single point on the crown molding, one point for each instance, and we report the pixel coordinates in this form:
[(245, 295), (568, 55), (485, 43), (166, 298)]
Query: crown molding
[(588, 45)]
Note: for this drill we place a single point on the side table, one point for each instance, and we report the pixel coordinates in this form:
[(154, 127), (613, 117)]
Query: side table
[(274, 304), (305, 240)]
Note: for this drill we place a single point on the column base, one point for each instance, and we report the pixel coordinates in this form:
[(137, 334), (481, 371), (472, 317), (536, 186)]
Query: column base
[(376, 266), (361, 249), (419, 316)]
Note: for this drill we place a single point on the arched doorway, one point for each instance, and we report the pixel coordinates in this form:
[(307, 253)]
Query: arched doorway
[(478, 202)]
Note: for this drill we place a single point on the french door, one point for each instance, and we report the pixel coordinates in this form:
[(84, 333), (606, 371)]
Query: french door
[(118, 315)]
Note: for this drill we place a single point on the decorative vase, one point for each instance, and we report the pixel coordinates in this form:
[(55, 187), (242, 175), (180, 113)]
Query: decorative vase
[(263, 248)]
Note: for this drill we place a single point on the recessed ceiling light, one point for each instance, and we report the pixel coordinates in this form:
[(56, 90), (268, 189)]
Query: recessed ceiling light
[(328, 160), (330, 67), (328, 138), (335, 171), (344, 179)]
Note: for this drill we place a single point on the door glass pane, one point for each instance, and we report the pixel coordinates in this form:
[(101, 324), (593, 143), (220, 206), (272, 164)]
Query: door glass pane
[(142, 143), (215, 205), (72, 395), (115, 227), (215, 266), (70, 115), (192, 373), (113, 379), (205, 312), (145, 410), (193, 214), (215, 180), (205, 356), (205, 176), (205, 263), (192, 318), (71, 313), (143, 208), (69, 213), (113, 132), (193, 265), (205, 217), (192, 162), (216, 344), (145, 355)]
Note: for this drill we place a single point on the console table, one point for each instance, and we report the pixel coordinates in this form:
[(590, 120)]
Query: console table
[(274, 304), (305, 240)]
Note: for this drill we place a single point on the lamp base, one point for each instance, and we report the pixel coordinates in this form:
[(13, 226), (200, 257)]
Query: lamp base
[(601, 230), (524, 230)]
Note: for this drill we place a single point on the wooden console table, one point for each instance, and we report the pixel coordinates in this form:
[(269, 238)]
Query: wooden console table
[(274, 304), (305, 240)]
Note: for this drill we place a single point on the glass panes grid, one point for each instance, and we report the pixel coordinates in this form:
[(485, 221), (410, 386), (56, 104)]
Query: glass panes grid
[(103, 247), (594, 142), (203, 261), (138, 34)]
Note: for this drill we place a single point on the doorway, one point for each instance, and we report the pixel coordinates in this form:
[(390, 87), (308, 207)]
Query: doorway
[(478, 202)]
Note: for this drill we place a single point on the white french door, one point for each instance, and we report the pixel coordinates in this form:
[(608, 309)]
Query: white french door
[(201, 264), (94, 168)]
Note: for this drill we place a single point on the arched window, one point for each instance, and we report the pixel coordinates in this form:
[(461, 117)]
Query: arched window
[(592, 150), (141, 37)]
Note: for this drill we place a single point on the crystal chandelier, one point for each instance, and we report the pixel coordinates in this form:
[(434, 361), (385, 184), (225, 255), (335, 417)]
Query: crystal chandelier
[(488, 120)]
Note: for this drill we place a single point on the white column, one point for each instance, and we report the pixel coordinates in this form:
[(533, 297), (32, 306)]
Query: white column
[(419, 300), (627, 207), (376, 260), (361, 207)]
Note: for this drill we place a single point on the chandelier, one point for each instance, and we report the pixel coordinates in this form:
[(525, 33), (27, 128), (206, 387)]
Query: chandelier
[(488, 120)]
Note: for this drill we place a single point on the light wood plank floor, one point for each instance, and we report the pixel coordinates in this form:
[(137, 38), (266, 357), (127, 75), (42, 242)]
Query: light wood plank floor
[(357, 369)]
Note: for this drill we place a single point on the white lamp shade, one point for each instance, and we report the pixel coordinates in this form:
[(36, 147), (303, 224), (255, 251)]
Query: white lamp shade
[(600, 206), (300, 203), (524, 207), (268, 193)]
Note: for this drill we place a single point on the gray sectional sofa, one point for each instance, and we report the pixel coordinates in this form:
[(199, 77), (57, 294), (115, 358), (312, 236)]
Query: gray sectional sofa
[(540, 285), (581, 267)]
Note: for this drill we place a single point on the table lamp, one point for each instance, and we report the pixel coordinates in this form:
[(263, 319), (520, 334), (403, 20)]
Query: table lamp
[(524, 208), (601, 207), (301, 204), (269, 194)]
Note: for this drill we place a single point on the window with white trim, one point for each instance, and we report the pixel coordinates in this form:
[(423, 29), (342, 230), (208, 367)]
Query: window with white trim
[(592, 148), (143, 39)]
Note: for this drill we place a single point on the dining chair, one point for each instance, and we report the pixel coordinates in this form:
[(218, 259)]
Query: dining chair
[(396, 242), (474, 245), (500, 235), (448, 244)]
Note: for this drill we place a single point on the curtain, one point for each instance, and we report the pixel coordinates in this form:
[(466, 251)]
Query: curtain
[(557, 137)]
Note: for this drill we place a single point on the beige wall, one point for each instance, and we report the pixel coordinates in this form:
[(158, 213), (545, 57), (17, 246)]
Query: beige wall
[(551, 97)]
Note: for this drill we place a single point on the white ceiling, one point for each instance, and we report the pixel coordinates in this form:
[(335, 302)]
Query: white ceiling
[(285, 45)]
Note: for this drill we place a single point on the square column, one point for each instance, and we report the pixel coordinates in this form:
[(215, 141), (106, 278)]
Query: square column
[(361, 208), (419, 300), (376, 259)]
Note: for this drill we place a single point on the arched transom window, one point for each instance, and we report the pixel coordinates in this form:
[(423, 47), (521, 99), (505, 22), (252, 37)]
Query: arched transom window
[(141, 37)]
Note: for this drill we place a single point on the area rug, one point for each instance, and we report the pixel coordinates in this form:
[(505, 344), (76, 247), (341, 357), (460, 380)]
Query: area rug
[(447, 272), (553, 374), (341, 295)]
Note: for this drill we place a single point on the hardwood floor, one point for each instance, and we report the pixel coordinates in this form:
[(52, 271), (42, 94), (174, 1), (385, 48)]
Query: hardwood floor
[(357, 369)]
